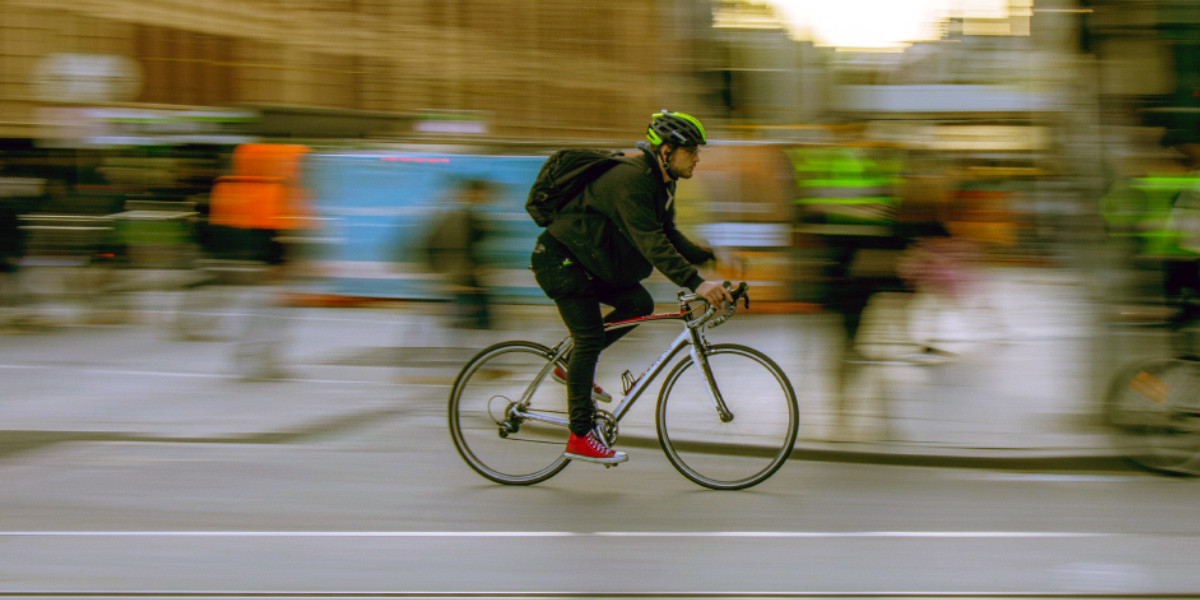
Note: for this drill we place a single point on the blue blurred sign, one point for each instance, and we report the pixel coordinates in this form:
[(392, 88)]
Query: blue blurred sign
[(377, 208)]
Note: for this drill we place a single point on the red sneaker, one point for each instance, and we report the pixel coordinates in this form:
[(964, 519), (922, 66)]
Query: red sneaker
[(589, 448), (559, 374)]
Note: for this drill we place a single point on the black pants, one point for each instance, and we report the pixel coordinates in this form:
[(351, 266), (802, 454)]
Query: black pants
[(578, 296), (472, 306)]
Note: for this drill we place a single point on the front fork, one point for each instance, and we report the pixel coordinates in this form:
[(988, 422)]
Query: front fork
[(699, 351)]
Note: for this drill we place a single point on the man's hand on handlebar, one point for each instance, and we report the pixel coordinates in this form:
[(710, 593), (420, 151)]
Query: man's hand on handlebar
[(714, 293)]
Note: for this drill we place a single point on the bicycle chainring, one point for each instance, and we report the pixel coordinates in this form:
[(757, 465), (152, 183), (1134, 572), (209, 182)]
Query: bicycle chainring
[(607, 424)]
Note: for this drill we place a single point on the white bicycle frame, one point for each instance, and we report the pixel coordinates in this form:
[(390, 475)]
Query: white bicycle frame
[(691, 336)]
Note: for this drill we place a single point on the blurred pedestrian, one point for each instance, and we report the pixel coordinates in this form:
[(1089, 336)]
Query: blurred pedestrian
[(862, 268), (1181, 268), (948, 271), (262, 209), (12, 251), (455, 249)]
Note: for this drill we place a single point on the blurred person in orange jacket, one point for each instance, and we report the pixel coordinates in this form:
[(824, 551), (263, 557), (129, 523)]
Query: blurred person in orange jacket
[(257, 208)]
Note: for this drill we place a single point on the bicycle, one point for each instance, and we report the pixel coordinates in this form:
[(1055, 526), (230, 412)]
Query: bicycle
[(1153, 406), (726, 414)]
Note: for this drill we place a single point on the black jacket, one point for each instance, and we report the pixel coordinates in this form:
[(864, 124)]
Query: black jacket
[(622, 226)]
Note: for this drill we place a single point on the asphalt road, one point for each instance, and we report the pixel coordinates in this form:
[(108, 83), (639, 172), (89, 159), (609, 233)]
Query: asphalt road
[(136, 465), (387, 507)]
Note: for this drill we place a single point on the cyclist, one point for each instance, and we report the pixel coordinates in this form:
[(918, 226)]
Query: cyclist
[(599, 248)]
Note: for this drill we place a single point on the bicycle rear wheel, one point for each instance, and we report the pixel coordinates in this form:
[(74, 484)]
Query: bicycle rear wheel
[(1154, 409), (740, 452), (496, 444)]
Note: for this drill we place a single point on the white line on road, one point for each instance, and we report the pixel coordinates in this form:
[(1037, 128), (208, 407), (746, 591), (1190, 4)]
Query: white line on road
[(549, 534)]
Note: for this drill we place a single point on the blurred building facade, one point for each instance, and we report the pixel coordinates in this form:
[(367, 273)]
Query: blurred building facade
[(1003, 117), (1148, 57), (528, 68), (757, 77)]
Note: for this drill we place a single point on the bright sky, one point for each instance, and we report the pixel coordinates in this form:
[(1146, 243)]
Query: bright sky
[(881, 23)]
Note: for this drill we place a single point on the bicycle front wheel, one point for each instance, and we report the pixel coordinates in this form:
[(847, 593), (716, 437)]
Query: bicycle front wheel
[(755, 437), (494, 441), (1154, 409)]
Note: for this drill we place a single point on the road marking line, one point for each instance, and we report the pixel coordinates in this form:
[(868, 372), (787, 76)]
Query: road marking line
[(567, 595), (549, 534)]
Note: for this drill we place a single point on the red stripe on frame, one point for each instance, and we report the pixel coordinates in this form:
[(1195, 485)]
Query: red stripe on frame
[(655, 317)]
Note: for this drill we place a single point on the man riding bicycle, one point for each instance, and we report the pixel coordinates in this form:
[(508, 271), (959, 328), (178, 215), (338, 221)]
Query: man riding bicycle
[(599, 248)]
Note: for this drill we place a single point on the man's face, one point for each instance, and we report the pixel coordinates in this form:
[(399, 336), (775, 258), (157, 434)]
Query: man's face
[(684, 161)]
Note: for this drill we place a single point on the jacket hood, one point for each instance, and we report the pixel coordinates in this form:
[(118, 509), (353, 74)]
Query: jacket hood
[(652, 166)]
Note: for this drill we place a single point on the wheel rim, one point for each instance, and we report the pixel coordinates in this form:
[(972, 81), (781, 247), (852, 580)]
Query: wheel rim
[(735, 454), (486, 387)]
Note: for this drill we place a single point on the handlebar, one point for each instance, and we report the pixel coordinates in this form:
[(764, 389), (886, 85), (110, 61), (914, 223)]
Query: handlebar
[(710, 316)]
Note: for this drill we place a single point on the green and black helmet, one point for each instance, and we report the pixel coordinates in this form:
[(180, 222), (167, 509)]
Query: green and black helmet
[(675, 128)]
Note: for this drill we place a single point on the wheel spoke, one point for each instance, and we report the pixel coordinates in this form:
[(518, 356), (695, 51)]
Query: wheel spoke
[(728, 453), (498, 444)]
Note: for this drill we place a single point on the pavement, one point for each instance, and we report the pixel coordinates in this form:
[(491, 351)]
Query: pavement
[(1019, 387)]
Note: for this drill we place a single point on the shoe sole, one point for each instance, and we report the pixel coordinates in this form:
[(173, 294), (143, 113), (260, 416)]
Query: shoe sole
[(600, 461)]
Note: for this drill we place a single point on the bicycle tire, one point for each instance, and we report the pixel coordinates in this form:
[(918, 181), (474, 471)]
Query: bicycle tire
[(1153, 409), (483, 390), (730, 455)]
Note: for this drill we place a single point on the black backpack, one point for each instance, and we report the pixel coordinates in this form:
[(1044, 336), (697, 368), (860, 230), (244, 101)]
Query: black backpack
[(563, 177)]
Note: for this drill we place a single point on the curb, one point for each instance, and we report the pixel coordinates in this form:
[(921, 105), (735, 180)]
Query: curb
[(1099, 461), (855, 453), (18, 442)]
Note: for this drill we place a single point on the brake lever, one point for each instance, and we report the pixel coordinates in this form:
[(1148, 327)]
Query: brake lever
[(741, 292)]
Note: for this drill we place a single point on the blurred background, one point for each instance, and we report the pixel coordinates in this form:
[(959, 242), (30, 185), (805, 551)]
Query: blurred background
[(959, 218), (1014, 119), (907, 167)]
